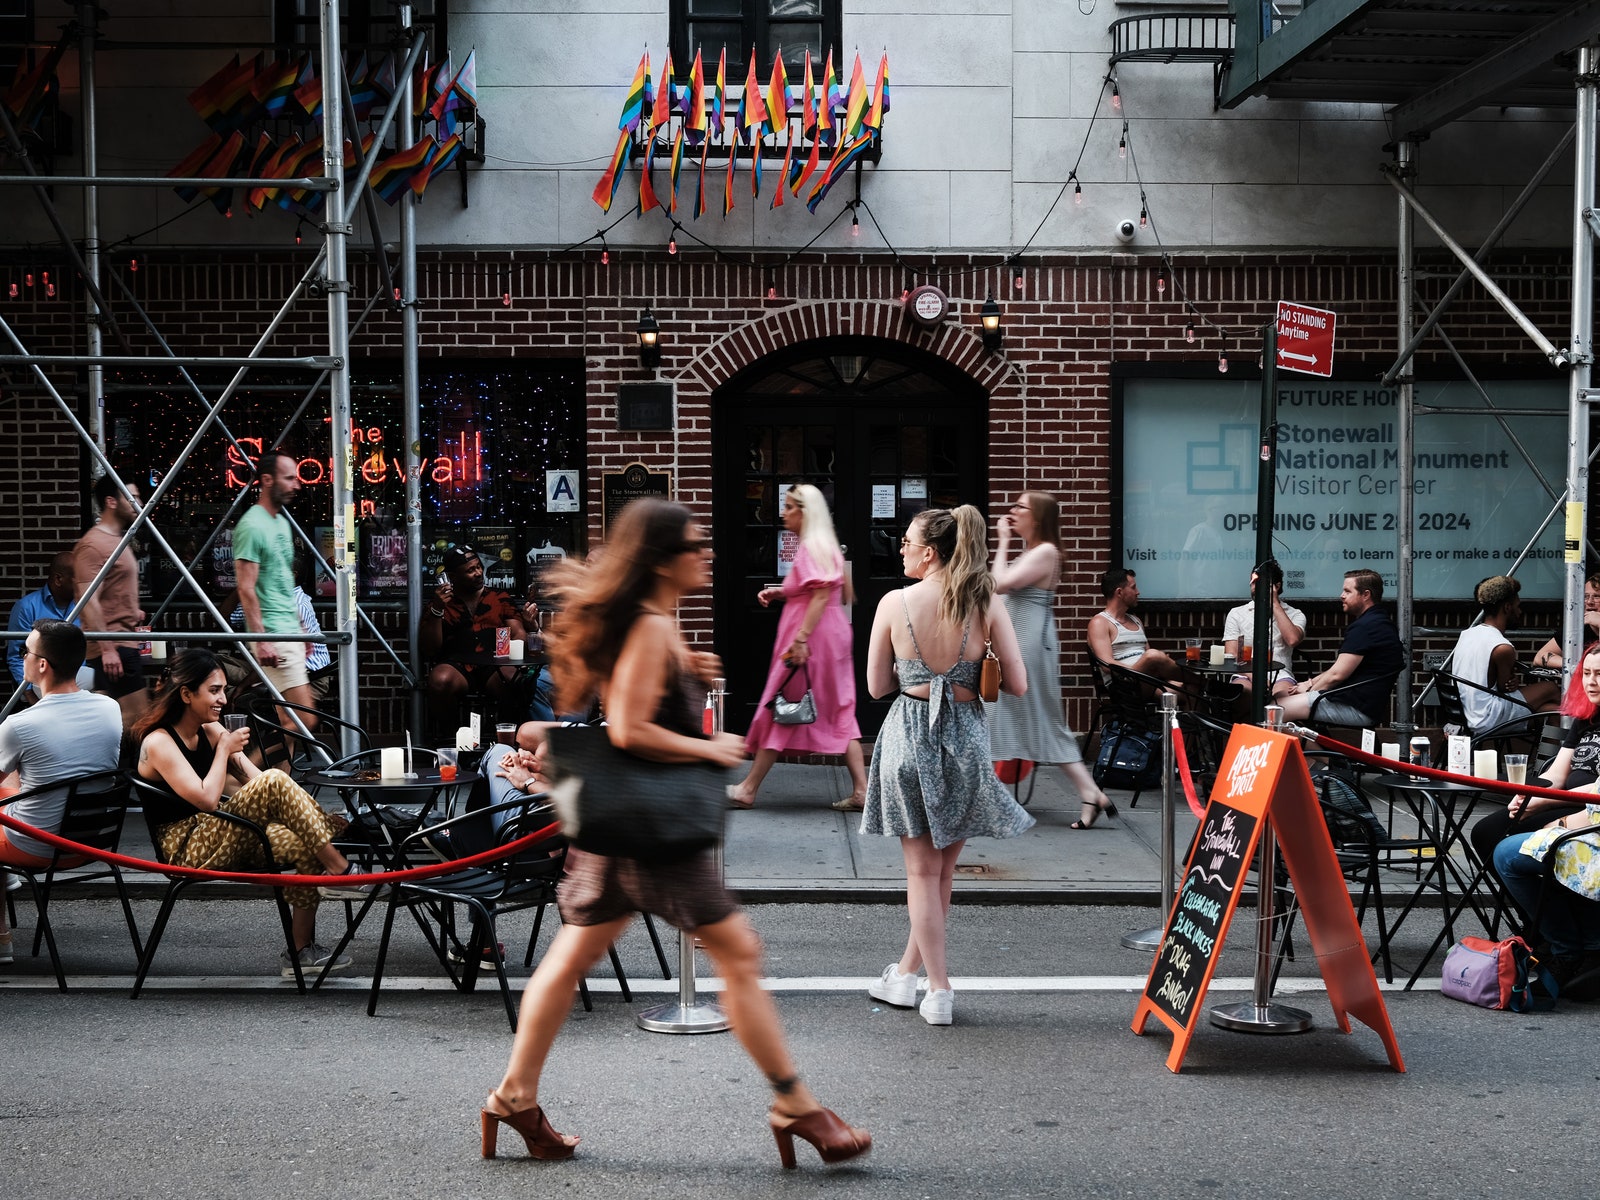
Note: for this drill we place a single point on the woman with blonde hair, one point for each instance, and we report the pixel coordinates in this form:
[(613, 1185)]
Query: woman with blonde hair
[(1032, 726), (813, 634), (616, 636), (932, 782)]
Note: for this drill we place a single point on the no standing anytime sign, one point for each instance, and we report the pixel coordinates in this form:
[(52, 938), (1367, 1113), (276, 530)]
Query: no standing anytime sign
[(1305, 339)]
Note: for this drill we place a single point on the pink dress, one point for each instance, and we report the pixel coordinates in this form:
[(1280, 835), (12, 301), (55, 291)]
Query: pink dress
[(832, 669)]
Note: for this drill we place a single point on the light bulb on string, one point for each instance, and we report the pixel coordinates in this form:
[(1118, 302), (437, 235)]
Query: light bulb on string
[(1188, 333), (1161, 282), (1222, 358), (1116, 97), (28, 278), (1077, 193), (855, 225), (133, 265), (397, 295), (1144, 214), (1122, 145), (605, 258), (50, 290), (14, 289), (672, 244), (1016, 279)]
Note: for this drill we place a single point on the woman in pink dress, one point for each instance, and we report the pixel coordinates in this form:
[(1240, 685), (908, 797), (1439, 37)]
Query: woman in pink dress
[(812, 631)]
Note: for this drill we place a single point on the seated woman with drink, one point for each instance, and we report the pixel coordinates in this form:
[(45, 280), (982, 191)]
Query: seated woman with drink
[(185, 751)]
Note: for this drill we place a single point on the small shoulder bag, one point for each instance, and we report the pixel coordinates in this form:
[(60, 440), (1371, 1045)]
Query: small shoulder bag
[(989, 675), (794, 712)]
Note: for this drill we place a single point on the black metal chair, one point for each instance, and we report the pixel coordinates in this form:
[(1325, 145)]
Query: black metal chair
[(1130, 709), (95, 808), (527, 880), (1586, 984), (178, 884), (1518, 735), (272, 739)]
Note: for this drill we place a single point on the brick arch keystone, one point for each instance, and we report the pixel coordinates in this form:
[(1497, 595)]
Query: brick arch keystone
[(811, 320)]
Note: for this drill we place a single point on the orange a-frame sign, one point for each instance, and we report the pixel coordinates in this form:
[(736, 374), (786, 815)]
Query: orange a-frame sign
[(1263, 778)]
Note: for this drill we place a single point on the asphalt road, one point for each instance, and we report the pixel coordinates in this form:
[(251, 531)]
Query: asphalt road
[(207, 1091)]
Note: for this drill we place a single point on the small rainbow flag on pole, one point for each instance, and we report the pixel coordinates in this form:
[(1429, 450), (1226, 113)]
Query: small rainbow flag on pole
[(808, 111), (638, 96), (855, 109), (605, 191), (777, 95), (783, 172), (661, 112), (677, 165), (719, 98), (694, 97), (842, 162), (647, 188), (880, 95)]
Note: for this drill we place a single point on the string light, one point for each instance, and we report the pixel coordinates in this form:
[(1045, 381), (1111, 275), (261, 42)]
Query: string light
[(672, 242), (1222, 358), (28, 278), (49, 288), (505, 299), (1188, 333), (1116, 96), (1122, 143), (297, 226), (1016, 279), (772, 286), (1144, 214), (14, 289), (855, 224), (1077, 189), (605, 250), (1161, 282), (133, 265)]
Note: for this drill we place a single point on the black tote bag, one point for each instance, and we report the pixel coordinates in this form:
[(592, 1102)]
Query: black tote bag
[(614, 803)]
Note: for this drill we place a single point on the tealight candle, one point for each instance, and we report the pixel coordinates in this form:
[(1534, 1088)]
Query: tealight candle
[(392, 762), (1486, 764), (518, 648), (1218, 653)]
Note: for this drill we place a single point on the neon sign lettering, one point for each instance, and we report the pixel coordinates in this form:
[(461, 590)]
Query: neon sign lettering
[(457, 463)]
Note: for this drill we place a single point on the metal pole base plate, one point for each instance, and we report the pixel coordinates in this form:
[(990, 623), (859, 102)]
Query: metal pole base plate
[(1148, 940), (1251, 1017), (680, 1018)]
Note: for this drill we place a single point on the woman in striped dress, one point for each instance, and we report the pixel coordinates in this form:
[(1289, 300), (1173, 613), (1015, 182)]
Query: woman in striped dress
[(1031, 726)]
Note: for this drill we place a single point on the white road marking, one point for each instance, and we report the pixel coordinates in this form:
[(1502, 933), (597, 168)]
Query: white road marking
[(651, 987)]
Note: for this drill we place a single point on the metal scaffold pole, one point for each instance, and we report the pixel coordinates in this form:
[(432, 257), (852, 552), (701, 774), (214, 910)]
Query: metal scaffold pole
[(337, 232), (88, 16), (405, 134), (1582, 353), (1405, 427)]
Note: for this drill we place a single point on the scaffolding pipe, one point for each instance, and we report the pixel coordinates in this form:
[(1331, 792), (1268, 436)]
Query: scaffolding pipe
[(305, 362), (411, 402), (1405, 254), (1460, 281), (1581, 349), (336, 232), (1546, 347), (88, 16), (314, 183)]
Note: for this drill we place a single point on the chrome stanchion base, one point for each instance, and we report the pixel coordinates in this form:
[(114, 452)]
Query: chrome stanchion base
[(1148, 940), (681, 1018), (1251, 1017)]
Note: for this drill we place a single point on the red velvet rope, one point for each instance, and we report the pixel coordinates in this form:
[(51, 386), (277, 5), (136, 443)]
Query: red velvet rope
[(1488, 785), (265, 880), (1181, 761)]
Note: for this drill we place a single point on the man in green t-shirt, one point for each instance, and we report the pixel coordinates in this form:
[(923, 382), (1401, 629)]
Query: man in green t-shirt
[(263, 564)]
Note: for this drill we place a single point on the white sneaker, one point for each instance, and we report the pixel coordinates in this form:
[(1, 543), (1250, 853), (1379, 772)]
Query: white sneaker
[(938, 1006), (895, 988), (313, 957)]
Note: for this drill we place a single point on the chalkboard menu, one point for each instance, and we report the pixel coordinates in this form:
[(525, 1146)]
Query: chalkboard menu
[(1200, 914), (618, 489)]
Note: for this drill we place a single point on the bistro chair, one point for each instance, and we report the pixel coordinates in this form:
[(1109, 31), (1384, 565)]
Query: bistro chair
[(1516, 735), (527, 880), (96, 807), (177, 885), (1131, 708), (273, 739), (1586, 985)]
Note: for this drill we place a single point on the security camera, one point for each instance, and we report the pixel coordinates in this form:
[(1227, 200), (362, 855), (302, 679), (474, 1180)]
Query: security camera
[(1125, 230)]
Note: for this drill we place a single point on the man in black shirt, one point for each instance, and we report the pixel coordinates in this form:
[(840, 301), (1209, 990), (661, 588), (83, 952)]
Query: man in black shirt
[(1370, 658)]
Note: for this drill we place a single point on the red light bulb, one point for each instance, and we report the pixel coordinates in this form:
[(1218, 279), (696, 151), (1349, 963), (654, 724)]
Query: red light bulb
[(605, 258), (133, 265), (672, 244), (14, 291), (505, 299), (1222, 364), (1188, 333)]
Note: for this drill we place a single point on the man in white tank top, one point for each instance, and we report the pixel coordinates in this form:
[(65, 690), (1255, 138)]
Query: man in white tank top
[(1485, 656), (1115, 635)]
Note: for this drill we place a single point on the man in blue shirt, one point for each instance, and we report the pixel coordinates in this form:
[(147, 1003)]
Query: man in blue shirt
[(52, 601)]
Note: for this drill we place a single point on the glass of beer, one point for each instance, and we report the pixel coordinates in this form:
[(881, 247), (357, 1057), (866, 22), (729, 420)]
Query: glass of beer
[(506, 733), (1516, 767), (447, 762), (1244, 652), (1191, 649)]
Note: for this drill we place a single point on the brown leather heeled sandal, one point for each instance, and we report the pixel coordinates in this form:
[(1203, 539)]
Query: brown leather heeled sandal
[(542, 1140), (833, 1139)]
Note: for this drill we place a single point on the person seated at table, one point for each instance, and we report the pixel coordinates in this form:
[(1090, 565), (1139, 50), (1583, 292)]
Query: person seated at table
[(1485, 657), (1576, 766), (71, 732), (185, 751), (1288, 628), (1369, 661), (1116, 636), (457, 634), (1549, 654)]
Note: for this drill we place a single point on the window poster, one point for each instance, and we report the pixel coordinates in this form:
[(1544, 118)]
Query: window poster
[(1190, 454)]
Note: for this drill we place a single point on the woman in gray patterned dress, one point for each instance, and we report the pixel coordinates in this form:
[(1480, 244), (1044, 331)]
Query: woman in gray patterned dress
[(932, 782), (1032, 726)]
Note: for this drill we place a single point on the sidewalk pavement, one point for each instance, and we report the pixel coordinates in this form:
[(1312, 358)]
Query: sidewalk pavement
[(793, 848)]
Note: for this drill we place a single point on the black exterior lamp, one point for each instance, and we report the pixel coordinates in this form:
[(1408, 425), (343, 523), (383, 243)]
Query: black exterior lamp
[(990, 318), (649, 340)]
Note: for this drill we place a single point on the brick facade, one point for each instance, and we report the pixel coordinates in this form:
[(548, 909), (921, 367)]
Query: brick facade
[(1049, 416)]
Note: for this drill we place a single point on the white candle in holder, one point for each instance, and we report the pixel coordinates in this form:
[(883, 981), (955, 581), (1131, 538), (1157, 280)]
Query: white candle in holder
[(392, 762), (1391, 750), (1486, 764), (466, 739), (518, 646), (1218, 653), (158, 651)]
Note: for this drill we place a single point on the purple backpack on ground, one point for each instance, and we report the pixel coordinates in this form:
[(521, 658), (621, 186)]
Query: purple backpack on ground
[(1496, 975)]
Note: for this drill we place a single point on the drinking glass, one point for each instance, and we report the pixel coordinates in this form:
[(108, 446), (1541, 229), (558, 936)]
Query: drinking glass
[(1516, 767), (1191, 649), (232, 721), (506, 733), (447, 762), (1244, 652)]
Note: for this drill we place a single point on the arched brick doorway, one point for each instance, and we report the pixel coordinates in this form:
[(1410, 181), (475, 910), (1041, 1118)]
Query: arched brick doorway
[(884, 429)]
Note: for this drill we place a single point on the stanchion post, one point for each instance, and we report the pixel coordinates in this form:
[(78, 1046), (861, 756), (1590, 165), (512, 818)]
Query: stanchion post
[(1150, 939), (687, 1014), (1259, 1014)]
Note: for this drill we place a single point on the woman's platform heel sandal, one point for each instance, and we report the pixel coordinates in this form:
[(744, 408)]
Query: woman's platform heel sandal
[(834, 1140), (542, 1140)]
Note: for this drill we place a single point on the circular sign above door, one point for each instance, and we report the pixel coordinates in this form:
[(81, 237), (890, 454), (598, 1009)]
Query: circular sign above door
[(927, 305)]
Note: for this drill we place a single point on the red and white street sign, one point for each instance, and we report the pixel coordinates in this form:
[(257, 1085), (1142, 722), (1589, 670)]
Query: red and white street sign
[(1305, 339)]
